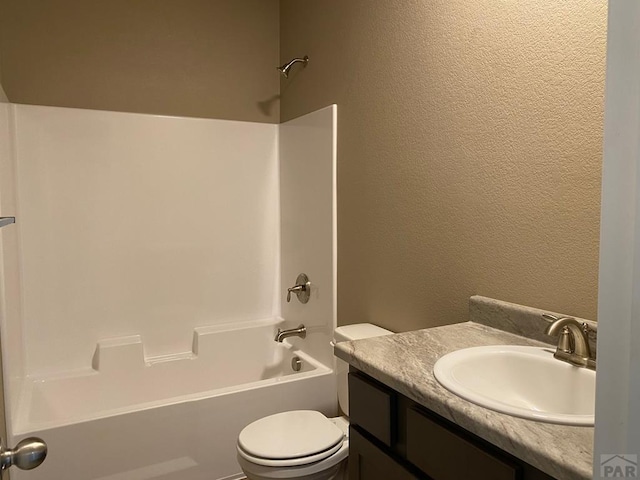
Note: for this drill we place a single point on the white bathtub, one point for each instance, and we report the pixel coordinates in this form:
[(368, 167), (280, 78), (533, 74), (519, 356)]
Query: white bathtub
[(176, 417)]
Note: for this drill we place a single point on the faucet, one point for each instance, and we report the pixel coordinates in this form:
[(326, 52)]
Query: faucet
[(301, 332), (573, 341)]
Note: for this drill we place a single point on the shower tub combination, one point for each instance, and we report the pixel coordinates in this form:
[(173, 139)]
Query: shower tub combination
[(99, 297), (178, 416)]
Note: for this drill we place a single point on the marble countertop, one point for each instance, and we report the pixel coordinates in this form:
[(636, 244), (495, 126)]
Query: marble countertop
[(404, 362)]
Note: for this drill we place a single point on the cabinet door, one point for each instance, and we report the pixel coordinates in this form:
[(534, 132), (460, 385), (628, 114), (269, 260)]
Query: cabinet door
[(371, 407), (446, 455), (368, 462)]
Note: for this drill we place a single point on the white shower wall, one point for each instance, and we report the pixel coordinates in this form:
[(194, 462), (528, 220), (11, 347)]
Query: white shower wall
[(309, 224), (10, 315), (141, 225)]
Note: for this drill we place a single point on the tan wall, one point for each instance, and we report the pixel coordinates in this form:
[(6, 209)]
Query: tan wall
[(469, 150), (202, 58), (3, 96)]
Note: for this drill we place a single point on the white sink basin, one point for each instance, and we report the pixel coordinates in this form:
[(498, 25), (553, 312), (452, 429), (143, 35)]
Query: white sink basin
[(525, 382)]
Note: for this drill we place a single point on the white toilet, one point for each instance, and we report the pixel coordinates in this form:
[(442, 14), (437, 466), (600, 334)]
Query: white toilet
[(303, 444)]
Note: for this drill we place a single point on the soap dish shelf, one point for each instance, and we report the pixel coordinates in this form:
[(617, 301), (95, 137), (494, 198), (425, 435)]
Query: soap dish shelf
[(4, 221)]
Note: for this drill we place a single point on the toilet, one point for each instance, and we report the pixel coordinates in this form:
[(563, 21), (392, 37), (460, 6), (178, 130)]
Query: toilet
[(303, 444)]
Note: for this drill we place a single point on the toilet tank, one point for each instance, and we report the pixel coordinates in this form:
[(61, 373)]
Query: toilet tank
[(357, 331)]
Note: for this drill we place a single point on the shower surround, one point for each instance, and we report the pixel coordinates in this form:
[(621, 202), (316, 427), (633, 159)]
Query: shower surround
[(143, 283)]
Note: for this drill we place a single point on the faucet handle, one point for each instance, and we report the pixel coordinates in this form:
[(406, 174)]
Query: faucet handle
[(589, 330), (297, 289), (302, 289), (566, 342)]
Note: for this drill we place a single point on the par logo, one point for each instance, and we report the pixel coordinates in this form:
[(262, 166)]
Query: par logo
[(616, 465)]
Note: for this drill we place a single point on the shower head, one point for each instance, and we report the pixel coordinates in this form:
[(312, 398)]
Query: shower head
[(284, 69)]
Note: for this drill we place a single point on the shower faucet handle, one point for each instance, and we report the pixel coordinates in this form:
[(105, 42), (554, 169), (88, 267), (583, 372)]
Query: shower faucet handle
[(297, 289), (302, 289)]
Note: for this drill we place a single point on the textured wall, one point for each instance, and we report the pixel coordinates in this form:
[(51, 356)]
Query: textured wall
[(202, 58), (469, 150), (3, 96)]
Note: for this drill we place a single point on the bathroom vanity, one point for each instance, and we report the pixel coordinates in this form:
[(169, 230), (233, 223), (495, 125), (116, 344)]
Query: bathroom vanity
[(392, 436), (405, 425)]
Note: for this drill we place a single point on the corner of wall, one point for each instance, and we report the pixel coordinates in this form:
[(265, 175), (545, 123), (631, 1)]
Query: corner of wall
[(3, 95)]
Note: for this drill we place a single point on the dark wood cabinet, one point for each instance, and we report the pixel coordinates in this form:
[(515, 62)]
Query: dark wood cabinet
[(394, 438), (368, 462), (445, 455), (371, 406)]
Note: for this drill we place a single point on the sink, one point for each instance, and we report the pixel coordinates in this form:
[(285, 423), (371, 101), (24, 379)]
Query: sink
[(525, 382)]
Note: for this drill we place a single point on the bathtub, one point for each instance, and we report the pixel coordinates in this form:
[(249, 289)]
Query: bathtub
[(177, 417)]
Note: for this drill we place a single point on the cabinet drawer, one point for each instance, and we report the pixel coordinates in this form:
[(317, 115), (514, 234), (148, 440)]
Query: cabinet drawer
[(368, 462), (371, 407), (444, 455)]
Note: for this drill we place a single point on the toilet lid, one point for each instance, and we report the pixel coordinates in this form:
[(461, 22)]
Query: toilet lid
[(288, 435)]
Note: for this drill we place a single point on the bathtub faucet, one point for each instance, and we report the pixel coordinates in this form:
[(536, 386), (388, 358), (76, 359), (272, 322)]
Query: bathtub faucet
[(301, 332)]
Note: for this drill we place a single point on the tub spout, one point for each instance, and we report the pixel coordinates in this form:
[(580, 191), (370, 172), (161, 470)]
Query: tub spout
[(301, 332)]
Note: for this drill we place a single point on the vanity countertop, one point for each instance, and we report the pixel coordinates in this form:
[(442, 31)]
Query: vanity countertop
[(405, 361)]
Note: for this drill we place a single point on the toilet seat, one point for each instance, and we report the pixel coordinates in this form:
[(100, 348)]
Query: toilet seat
[(289, 462), (291, 438)]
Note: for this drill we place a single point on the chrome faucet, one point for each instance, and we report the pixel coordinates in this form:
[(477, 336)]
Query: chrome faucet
[(573, 341), (301, 332)]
